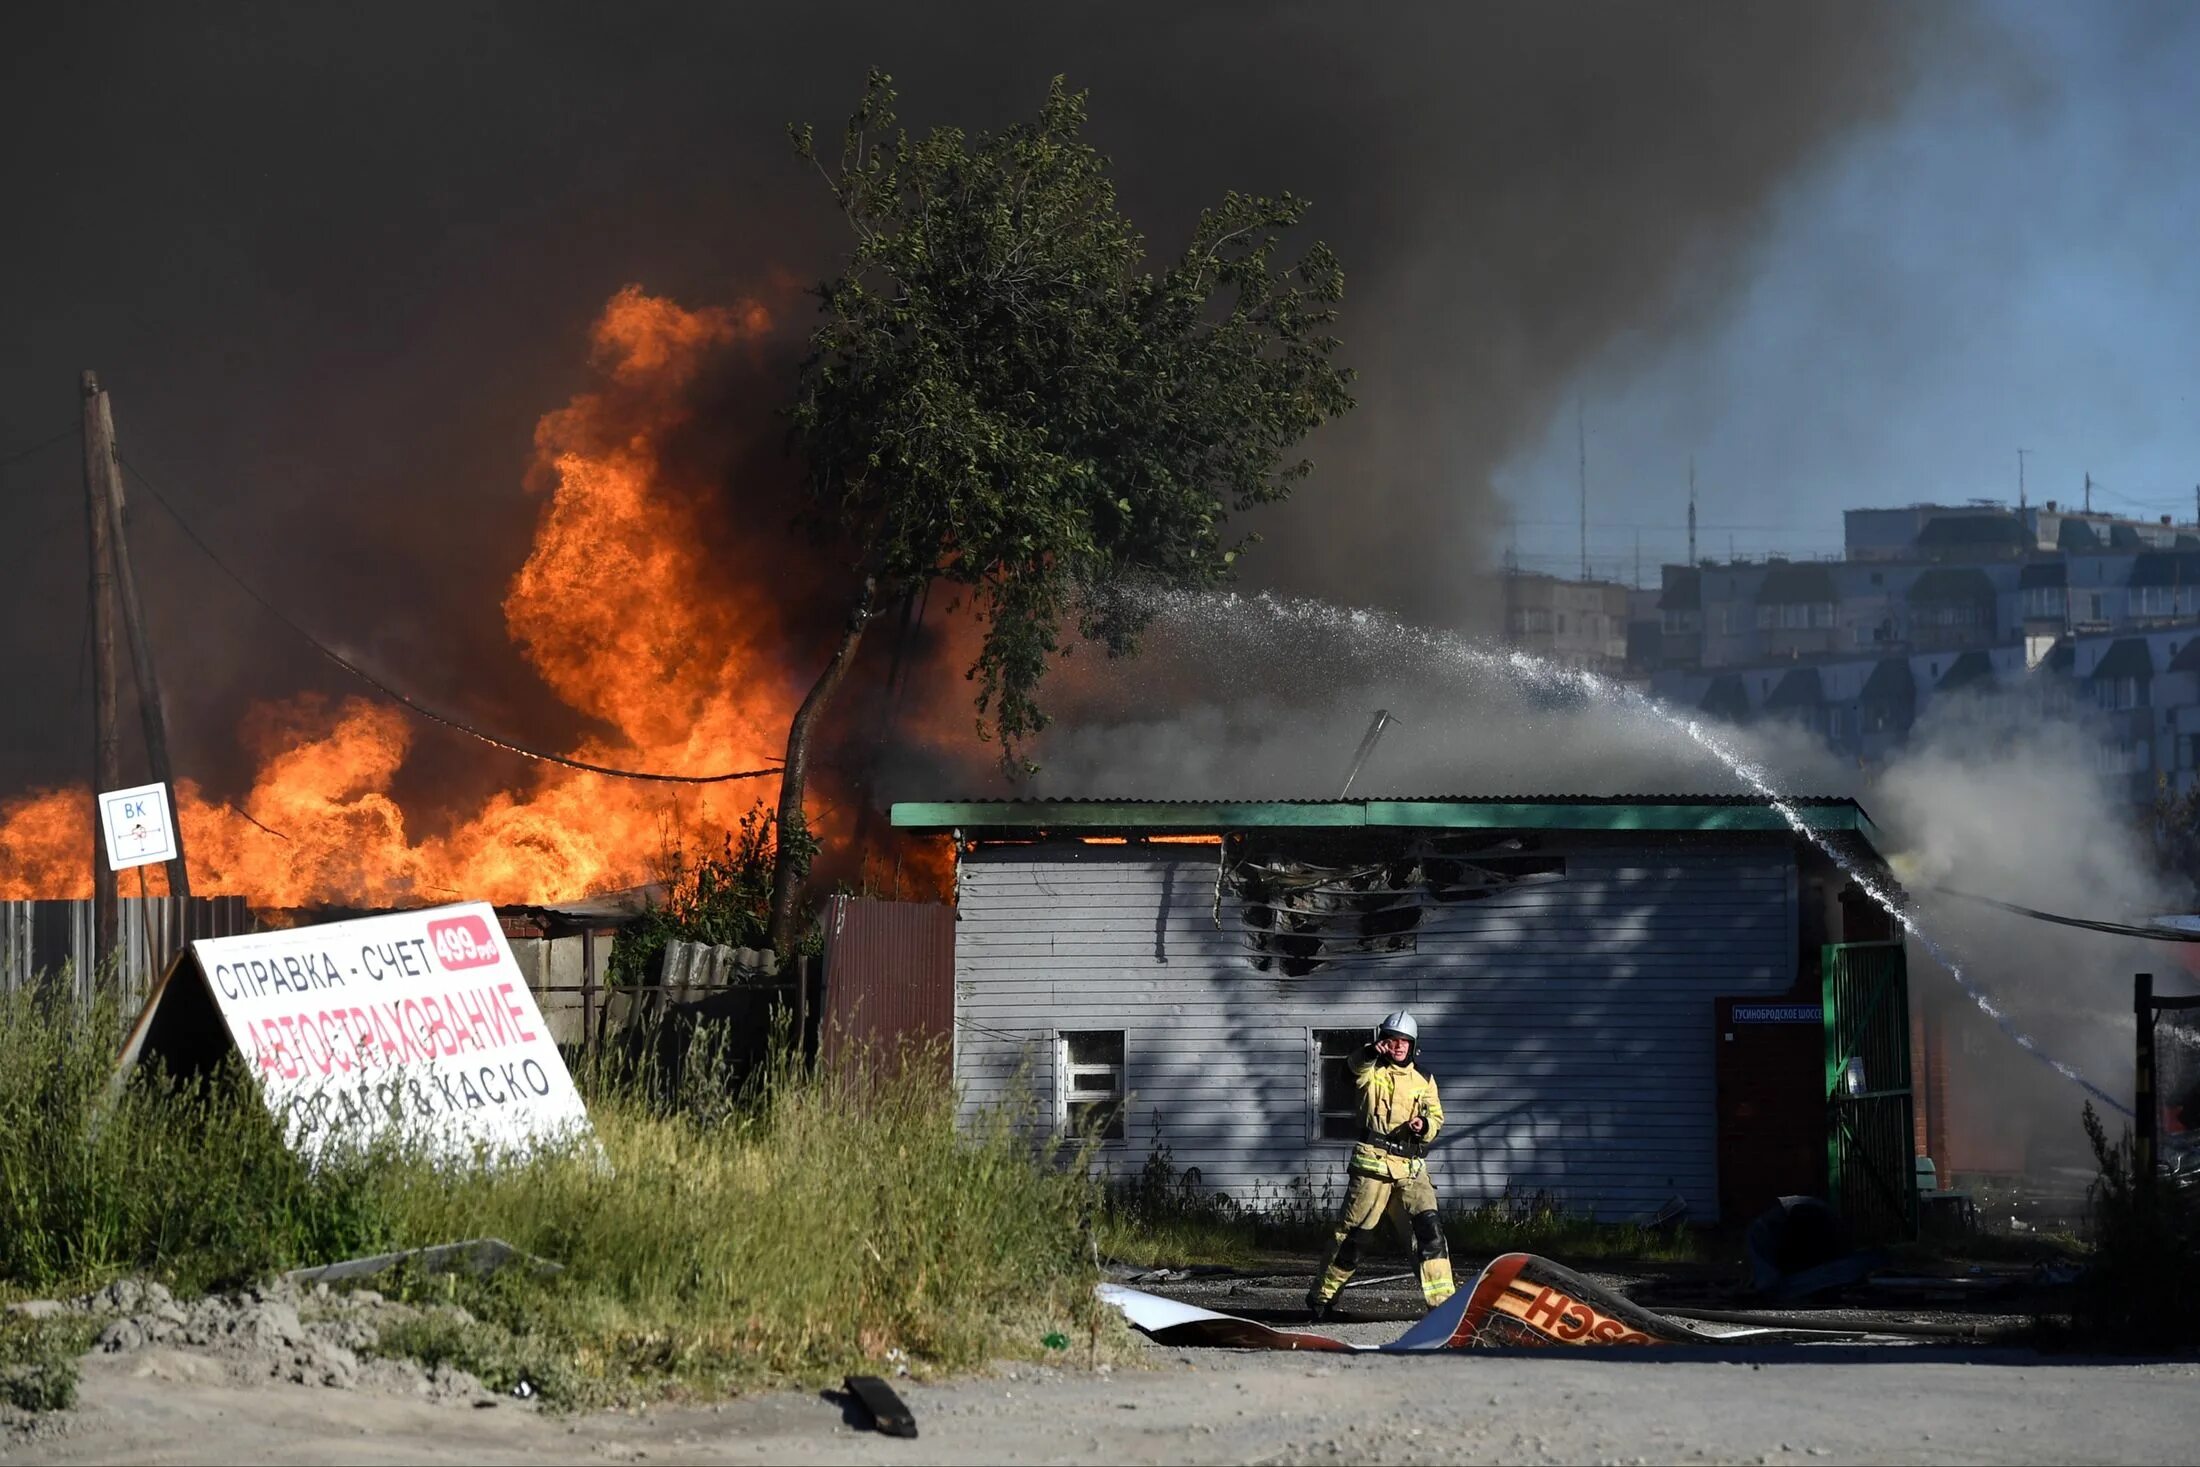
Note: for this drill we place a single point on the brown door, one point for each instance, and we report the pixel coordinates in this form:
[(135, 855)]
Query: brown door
[(1771, 1104)]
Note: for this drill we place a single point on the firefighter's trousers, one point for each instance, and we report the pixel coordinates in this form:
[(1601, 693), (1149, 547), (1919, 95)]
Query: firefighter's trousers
[(1410, 1203)]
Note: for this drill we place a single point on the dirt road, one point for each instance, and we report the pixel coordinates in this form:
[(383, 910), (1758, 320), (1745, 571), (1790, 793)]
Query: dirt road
[(1830, 1404)]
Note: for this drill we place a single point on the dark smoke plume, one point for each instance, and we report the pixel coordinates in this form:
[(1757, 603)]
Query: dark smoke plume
[(334, 265)]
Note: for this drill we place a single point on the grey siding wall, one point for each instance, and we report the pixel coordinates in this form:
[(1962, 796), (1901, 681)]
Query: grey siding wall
[(1569, 1025)]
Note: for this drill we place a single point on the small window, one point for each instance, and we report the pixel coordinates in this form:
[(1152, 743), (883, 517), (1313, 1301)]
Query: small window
[(1092, 1083), (1336, 1097)]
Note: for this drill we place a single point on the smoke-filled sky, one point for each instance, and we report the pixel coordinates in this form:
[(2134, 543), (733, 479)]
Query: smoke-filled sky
[(2004, 263), (335, 262)]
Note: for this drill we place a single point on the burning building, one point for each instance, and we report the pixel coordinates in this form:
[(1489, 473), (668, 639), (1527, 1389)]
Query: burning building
[(1627, 1001), (623, 609)]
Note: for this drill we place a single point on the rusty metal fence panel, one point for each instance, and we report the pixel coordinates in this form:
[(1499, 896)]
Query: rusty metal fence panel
[(889, 976)]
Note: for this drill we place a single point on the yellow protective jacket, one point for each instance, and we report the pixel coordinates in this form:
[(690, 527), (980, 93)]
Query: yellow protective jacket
[(1390, 1096)]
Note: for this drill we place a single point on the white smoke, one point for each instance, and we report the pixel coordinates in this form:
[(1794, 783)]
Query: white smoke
[(1265, 698)]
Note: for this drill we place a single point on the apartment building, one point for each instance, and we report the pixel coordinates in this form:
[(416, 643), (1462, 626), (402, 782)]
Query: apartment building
[(1579, 623), (2074, 610)]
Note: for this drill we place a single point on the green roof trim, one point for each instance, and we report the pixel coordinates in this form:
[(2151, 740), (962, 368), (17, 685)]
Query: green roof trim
[(1681, 813)]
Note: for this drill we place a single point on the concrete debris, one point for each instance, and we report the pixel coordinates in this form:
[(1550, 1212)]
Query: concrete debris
[(304, 1334)]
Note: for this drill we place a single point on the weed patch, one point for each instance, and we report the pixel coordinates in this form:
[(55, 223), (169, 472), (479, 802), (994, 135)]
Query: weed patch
[(791, 1232), (2142, 1291), (38, 1361)]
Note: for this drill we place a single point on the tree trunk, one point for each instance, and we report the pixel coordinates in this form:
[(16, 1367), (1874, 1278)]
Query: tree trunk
[(795, 770)]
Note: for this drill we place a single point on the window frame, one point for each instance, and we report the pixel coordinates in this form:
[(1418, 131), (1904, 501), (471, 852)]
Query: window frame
[(1067, 1070), (1317, 1116)]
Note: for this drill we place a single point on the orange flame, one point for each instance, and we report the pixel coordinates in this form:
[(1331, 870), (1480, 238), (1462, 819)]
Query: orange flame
[(620, 611)]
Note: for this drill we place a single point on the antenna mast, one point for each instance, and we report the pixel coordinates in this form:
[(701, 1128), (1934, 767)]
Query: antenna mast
[(1692, 509), (1581, 438)]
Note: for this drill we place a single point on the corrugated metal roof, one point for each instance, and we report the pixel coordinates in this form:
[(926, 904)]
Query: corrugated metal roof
[(1653, 798), (1665, 813), (608, 909)]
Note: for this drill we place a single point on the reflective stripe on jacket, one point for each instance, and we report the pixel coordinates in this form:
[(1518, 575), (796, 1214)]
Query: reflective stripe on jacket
[(1390, 1096)]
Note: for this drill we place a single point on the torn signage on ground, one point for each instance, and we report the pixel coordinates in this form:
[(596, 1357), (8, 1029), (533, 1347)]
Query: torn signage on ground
[(1520, 1299), (416, 1026)]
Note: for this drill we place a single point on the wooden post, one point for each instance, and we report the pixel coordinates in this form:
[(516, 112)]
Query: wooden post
[(99, 454), (2144, 1110), (151, 708), (588, 985), (802, 1006)]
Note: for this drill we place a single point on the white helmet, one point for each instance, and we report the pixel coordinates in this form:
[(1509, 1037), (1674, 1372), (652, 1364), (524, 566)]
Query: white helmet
[(1401, 1023)]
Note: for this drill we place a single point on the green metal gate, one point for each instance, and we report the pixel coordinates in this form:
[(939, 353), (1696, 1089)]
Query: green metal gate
[(1871, 1147)]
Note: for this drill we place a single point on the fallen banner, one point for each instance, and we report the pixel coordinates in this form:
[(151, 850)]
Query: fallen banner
[(1172, 1322), (1520, 1299)]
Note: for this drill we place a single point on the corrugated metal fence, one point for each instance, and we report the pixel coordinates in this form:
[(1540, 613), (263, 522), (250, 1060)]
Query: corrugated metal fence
[(889, 974), (53, 939)]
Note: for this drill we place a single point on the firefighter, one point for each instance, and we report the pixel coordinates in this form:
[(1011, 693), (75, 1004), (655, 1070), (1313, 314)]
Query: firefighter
[(1399, 1116)]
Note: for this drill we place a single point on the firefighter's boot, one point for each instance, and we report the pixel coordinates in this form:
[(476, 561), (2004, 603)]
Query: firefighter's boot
[(1428, 1235), (1343, 1262)]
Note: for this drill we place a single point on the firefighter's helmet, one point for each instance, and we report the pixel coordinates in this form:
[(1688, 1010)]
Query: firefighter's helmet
[(1401, 1024)]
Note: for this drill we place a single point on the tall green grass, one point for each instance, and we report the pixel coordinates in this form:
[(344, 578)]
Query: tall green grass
[(1153, 1217), (786, 1226)]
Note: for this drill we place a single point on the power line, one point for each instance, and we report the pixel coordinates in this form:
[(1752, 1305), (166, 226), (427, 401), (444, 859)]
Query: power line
[(2090, 924), (1657, 525), (39, 447), (387, 691)]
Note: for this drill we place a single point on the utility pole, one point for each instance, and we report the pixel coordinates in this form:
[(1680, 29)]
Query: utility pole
[(2089, 493), (151, 707), (1638, 560), (2020, 476), (99, 457), (1581, 437), (1692, 509)]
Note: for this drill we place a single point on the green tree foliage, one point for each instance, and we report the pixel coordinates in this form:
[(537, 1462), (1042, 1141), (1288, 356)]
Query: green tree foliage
[(2173, 833), (721, 899), (1003, 393)]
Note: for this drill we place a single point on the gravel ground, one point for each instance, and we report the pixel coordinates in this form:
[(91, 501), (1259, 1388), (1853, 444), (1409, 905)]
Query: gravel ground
[(161, 1405), (283, 1376)]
